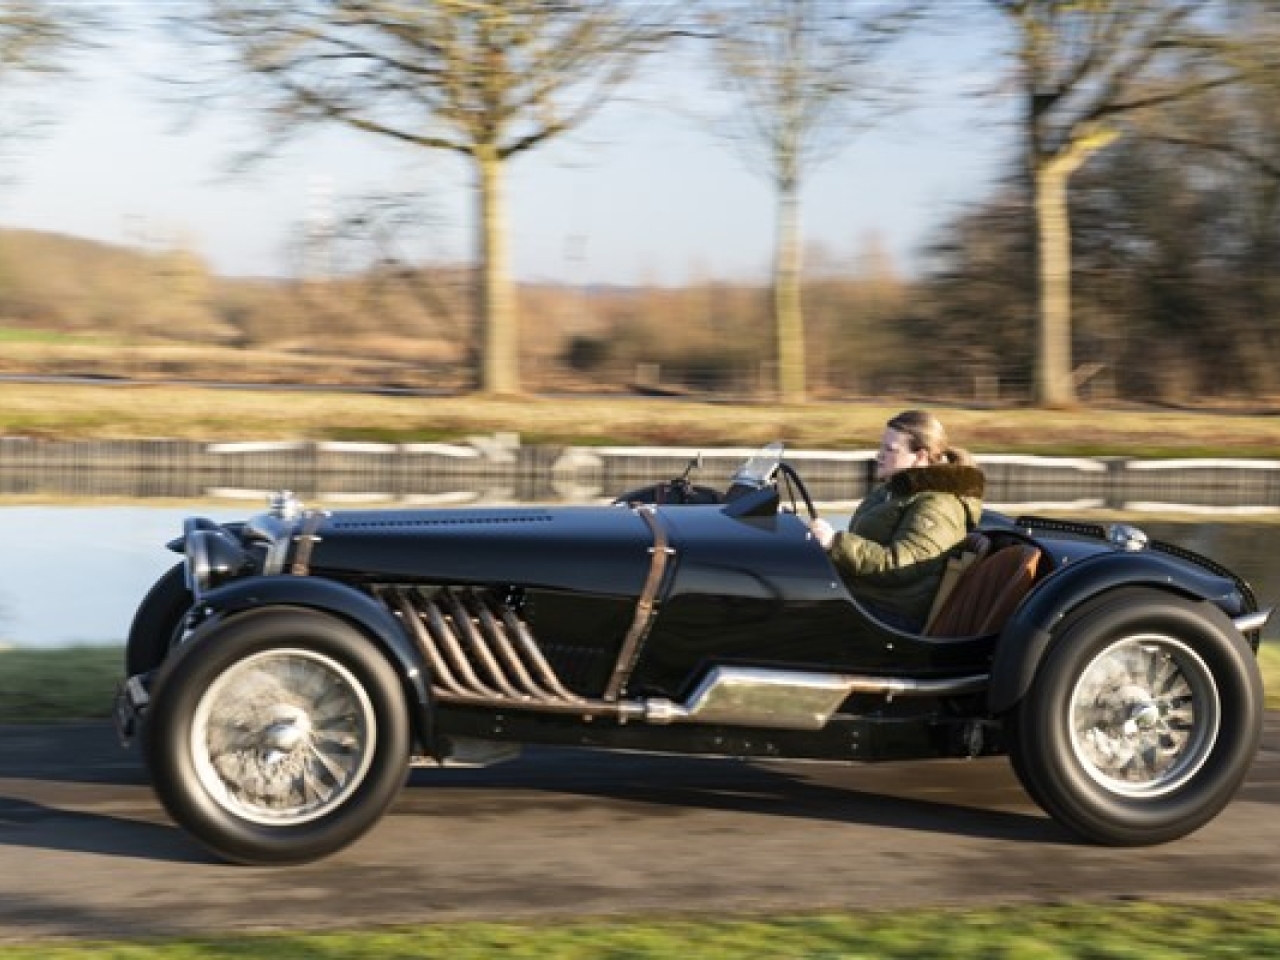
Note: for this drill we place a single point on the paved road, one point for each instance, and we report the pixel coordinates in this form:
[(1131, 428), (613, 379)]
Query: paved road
[(86, 850)]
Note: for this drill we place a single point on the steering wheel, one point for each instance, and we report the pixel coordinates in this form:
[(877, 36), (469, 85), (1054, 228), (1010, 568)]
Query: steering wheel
[(796, 486)]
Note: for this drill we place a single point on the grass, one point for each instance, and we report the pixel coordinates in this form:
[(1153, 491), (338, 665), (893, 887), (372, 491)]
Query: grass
[(1123, 931), (102, 412), (70, 683), (16, 336)]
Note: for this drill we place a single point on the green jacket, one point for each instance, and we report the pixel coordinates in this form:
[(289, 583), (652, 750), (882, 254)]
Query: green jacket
[(899, 538)]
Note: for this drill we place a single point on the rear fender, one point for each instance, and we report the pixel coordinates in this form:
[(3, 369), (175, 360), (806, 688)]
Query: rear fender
[(359, 609), (1027, 636)]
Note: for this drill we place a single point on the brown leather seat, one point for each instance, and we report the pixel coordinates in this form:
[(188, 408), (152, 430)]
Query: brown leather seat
[(972, 549), (987, 593)]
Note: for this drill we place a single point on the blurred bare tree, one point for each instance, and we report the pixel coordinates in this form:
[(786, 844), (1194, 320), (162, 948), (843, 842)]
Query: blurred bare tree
[(485, 79), (800, 70), (1087, 73), (376, 232), (1175, 233), (32, 35), (370, 248), (969, 314), (1177, 246), (36, 39)]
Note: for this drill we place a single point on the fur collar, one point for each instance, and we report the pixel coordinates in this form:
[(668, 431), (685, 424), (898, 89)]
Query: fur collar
[(963, 481)]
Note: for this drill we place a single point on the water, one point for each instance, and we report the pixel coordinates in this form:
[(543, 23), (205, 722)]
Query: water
[(71, 575), (74, 575)]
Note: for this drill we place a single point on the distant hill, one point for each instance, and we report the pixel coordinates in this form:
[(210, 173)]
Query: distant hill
[(51, 281), (57, 282)]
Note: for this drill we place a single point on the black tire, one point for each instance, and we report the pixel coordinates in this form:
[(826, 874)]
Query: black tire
[(158, 622), (1142, 720), (1017, 761), (277, 736)]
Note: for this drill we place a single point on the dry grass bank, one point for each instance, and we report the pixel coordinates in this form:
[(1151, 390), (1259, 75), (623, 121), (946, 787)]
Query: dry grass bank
[(90, 411)]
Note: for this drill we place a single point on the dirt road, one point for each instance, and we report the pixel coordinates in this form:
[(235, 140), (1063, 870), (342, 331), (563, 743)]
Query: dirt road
[(86, 850)]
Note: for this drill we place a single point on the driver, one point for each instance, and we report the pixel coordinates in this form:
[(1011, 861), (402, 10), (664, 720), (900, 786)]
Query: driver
[(895, 550)]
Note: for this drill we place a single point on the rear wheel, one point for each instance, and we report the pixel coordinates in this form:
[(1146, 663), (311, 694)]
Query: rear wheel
[(1142, 721), (279, 736)]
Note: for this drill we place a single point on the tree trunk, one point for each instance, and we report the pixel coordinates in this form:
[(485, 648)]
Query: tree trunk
[(499, 337), (1053, 386), (788, 313)]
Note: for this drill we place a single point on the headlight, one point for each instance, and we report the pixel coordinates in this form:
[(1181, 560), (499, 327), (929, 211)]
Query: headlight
[(1127, 538), (213, 557)]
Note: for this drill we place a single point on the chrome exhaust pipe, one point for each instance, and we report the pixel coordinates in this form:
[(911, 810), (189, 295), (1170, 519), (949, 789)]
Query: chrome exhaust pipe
[(479, 652), (790, 699)]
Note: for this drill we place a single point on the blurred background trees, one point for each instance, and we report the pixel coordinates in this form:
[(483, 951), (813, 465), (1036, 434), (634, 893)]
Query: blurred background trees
[(1088, 74), (34, 34), (486, 80), (38, 41), (1153, 277), (801, 75)]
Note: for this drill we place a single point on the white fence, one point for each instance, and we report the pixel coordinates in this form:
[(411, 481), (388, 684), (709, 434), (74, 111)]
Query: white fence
[(499, 468)]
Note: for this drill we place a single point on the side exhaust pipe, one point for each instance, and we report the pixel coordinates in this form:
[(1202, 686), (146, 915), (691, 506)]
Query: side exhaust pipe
[(796, 700)]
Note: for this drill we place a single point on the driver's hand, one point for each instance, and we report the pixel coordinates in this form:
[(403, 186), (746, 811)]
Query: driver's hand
[(823, 532)]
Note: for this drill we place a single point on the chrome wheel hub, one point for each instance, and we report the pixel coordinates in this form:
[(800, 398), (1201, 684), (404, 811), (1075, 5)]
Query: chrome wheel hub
[(1144, 716), (283, 737), (286, 734)]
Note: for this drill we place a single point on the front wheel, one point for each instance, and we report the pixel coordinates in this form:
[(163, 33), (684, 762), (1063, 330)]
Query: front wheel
[(1142, 721), (278, 736)]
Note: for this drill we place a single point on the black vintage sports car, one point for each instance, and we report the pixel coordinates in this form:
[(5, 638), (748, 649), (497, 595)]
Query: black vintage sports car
[(286, 674)]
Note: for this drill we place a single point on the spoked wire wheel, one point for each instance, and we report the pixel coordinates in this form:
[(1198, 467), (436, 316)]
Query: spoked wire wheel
[(283, 737), (278, 735), (1145, 715), (1142, 719)]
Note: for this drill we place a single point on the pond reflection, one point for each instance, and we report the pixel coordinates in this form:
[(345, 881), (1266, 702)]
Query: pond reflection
[(74, 575)]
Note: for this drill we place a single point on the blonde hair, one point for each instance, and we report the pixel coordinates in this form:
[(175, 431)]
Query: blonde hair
[(925, 432)]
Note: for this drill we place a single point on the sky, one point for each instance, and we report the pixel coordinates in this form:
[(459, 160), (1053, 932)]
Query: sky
[(647, 192)]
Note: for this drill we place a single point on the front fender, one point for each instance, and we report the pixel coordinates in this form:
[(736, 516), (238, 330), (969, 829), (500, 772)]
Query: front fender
[(359, 609), (1027, 636)]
